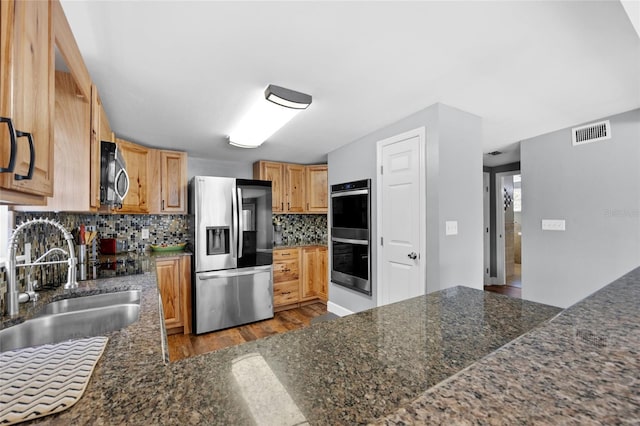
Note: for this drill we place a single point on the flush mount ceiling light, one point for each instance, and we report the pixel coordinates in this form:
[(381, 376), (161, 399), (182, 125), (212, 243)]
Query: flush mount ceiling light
[(267, 115)]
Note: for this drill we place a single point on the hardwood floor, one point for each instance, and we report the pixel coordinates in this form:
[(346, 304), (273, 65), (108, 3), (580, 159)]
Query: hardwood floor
[(513, 287), (186, 345)]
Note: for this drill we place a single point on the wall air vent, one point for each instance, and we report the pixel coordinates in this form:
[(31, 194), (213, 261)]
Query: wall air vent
[(593, 132)]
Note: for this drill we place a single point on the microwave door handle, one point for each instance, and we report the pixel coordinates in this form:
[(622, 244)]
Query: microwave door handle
[(240, 223), (126, 191)]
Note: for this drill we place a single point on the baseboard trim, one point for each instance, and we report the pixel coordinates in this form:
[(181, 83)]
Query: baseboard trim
[(338, 310)]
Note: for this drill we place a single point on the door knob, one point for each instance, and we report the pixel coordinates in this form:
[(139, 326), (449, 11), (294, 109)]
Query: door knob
[(412, 255)]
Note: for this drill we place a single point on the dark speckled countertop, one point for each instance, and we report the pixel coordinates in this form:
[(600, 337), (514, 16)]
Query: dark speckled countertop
[(295, 244), (351, 370), (581, 368)]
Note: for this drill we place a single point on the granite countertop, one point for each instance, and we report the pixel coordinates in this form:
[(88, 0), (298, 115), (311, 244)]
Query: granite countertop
[(351, 370), (446, 358), (581, 368), (295, 244)]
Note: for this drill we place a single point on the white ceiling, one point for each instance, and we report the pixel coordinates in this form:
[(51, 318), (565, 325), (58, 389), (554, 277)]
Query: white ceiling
[(180, 74)]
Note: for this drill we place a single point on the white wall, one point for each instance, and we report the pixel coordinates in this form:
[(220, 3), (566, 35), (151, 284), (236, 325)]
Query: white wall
[(208, 167), (454, 191), (596, 189)]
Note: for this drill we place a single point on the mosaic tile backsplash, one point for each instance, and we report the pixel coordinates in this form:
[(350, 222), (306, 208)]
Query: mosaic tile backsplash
[(301, 228), (169, 229)]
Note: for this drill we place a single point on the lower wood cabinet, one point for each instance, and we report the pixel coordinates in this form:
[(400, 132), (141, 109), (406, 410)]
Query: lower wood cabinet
[(314, 273), (299, 275), (174, 283)]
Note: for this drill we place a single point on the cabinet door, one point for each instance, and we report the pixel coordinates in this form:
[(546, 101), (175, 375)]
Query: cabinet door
[(100, 131), (322, 274), (168, 276), (317, 189), (266, 170), (137, 161), (28, 75), (309, 265), (314, 273), (295, 188), (173, 174)]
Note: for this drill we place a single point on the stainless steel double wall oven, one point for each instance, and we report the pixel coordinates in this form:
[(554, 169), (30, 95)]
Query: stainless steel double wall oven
[(351, 235)]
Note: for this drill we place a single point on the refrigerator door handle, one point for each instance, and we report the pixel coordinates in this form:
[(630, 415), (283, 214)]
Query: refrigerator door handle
[(234, 220), (240, 222), (233, 273)]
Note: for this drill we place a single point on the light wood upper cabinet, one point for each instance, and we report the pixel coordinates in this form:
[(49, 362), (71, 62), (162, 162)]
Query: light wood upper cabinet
[(137, 160), (71, 136), (27, 97), (295, 188), (100, 131), (173, 171), (168, 190), (266, 170), (317, 189), (174, 284)]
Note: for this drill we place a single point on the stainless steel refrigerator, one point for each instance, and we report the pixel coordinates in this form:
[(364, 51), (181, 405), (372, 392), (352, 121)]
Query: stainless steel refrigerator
[(233, 244)]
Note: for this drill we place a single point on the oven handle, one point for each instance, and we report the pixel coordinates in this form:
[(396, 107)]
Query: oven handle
[(348, 193), (350, 241)]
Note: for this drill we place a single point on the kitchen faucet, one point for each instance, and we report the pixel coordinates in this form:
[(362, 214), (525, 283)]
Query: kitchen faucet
[(14, 297)]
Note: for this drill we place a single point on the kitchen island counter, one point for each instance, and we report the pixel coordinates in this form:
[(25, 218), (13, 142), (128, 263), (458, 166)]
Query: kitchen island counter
[(581, 368), (351, 370)]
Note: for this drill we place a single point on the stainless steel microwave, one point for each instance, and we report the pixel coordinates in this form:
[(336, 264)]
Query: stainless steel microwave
[(114, 180)]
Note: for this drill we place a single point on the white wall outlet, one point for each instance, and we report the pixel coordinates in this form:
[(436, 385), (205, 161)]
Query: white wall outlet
[(145, 233), (451, 227), (27, 252), (553, 225)]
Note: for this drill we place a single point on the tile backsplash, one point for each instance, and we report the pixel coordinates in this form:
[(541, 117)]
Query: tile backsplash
[(301, 228), (169, 229)]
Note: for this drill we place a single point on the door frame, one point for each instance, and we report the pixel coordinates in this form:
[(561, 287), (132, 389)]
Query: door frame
[(420, 132), (501, 279), (486, 222)]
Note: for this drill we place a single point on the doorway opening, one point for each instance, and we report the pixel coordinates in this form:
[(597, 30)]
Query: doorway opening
[(507, 210)]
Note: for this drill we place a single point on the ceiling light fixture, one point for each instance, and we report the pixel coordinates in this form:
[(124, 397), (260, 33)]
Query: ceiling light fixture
[(267, 116)]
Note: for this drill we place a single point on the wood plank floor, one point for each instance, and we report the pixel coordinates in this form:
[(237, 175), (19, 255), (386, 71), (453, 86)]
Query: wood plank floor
[(505, 289), (186, 345)]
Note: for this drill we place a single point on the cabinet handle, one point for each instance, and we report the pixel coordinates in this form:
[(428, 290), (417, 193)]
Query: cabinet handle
[(285, 254), (162, 208), (288, 206), (12, 138), (32, 156), (282, 205)]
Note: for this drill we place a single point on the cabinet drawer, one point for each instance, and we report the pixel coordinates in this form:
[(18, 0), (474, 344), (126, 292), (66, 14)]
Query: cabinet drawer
[(285, 254), (285, 293), (286, 270)]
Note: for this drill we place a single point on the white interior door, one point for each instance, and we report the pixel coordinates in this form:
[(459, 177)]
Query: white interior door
[(401, 221)]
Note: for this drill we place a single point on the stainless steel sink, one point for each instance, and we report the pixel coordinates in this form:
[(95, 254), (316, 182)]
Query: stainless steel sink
[(75, 322), (90, 302)]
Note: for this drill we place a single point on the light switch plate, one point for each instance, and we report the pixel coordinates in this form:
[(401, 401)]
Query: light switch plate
[(145, 234), (451, 227), (553, 225)]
